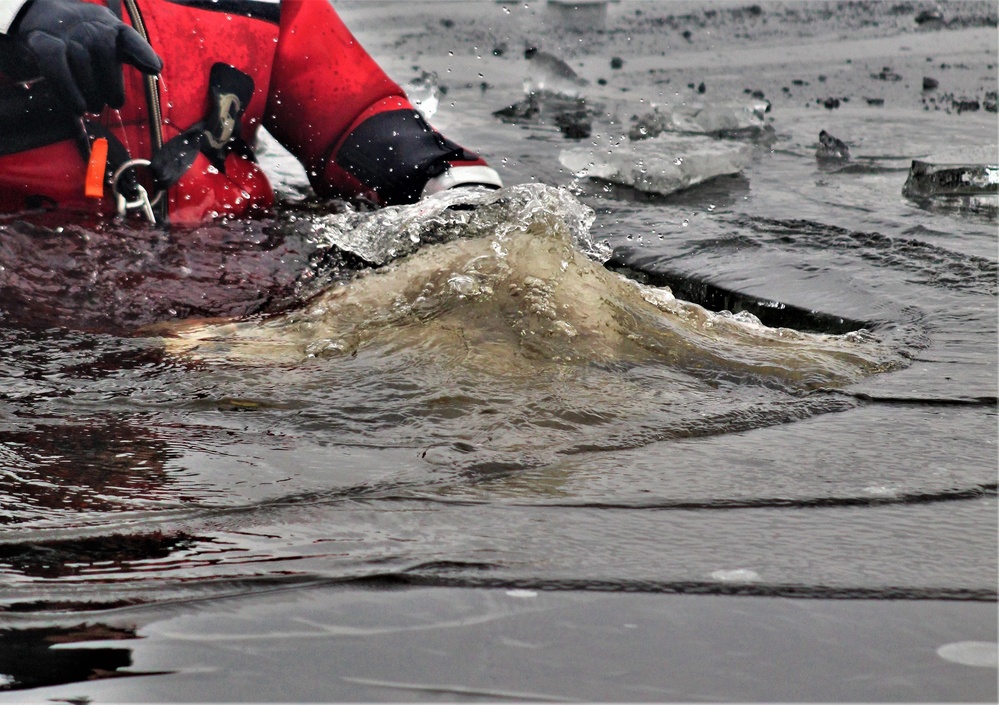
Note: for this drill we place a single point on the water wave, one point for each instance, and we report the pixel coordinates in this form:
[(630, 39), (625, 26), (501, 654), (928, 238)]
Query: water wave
[(507, 282)]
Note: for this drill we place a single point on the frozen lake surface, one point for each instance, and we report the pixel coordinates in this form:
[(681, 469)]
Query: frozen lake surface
[(496, 469)]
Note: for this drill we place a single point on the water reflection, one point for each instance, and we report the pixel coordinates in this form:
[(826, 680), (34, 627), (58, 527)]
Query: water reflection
[(102, 462), (108, 553), (41, 657), (112, 277)]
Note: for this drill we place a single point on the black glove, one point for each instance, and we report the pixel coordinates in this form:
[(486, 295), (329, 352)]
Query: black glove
[(78, 47)]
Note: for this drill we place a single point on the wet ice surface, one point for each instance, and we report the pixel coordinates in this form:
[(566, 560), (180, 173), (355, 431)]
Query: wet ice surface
[(438, 442), (440, 644)]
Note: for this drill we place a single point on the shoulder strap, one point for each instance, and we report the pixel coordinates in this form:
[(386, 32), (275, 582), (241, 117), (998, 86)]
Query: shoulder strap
[(218, 134)]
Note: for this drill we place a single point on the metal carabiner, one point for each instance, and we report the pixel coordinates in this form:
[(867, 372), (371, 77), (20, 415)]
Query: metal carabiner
[(142, 202)]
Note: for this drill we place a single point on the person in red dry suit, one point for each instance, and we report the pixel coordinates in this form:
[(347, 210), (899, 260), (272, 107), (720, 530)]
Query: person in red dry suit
[(92, 120)]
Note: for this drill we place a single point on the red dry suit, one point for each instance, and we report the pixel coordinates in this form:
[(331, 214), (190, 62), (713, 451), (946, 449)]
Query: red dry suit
[(230, 67)]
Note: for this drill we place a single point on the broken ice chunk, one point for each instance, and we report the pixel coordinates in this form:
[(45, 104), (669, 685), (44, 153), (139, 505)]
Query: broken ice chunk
[(663, 164), (831, 148), (951, 183), (719, 120), (571, 115), (549, 72)]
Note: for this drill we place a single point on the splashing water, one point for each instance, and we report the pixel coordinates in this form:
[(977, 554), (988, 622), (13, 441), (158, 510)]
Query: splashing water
[(507, 282)]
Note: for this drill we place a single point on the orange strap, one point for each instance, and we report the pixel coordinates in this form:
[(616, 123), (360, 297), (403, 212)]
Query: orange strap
[(94, 185)]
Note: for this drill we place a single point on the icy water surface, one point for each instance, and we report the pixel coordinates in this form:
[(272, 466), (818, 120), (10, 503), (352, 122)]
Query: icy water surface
[(782, 383)]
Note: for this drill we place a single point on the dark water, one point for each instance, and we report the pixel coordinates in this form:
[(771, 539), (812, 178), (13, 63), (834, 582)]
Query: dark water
[(449, 436)]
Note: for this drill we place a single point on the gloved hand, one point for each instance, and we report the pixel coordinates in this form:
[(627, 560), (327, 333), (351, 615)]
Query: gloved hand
[(78, 48), (468, 173)]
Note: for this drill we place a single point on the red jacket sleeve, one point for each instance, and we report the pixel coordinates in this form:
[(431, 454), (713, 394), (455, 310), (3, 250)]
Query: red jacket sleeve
[(351, 125)]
